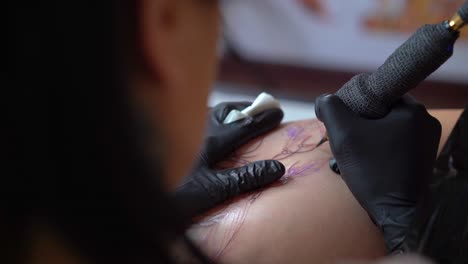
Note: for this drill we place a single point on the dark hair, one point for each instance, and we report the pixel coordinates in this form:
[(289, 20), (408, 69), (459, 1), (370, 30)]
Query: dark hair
[(74, 165)]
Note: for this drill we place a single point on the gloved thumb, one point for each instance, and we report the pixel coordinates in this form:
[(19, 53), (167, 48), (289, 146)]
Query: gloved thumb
[(254, 175)]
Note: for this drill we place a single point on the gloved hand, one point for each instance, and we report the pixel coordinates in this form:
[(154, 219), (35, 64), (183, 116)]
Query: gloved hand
[(387, 162), (206, 187)]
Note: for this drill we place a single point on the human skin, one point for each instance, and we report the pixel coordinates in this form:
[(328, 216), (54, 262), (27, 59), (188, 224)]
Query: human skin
[(177, 68), (447, 118), (309, 215)]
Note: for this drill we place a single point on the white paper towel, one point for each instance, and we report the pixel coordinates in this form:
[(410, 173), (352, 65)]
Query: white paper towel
[(262, 103)]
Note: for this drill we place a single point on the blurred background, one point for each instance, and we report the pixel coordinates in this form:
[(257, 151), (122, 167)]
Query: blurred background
[(299, 49)]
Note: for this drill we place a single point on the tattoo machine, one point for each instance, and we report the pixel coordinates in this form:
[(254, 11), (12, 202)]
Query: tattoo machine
[(372, 95)]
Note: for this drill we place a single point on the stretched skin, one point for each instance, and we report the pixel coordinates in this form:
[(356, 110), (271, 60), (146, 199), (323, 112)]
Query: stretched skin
[(309, 216)]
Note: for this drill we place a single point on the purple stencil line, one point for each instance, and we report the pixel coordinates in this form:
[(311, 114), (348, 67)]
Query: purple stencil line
[(294, 131)]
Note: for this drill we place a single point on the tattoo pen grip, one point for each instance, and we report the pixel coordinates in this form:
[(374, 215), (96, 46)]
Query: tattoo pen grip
[(372, 95)]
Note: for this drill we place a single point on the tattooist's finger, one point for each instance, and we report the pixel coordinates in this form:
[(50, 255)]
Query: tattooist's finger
[(210, 188), (252, 127), (221, 111), (254, 175), (267, 120), (331, 110), (198, 194), (409, 110)]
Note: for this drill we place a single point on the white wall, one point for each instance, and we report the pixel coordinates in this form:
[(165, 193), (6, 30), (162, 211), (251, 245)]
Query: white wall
[(283, 31)]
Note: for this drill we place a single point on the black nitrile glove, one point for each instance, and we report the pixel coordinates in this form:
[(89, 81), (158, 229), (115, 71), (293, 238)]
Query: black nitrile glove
[(387, 162), (206, 187)]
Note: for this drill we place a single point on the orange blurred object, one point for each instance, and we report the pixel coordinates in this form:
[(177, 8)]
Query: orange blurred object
[(314, 5), (411, 14)]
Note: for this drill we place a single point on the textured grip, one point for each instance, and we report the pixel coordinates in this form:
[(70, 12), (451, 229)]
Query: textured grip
[(463, 12), (372, 95)]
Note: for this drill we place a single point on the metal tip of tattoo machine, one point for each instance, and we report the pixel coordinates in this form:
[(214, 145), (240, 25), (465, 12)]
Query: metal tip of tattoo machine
[(323, 140), (460, 18)]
